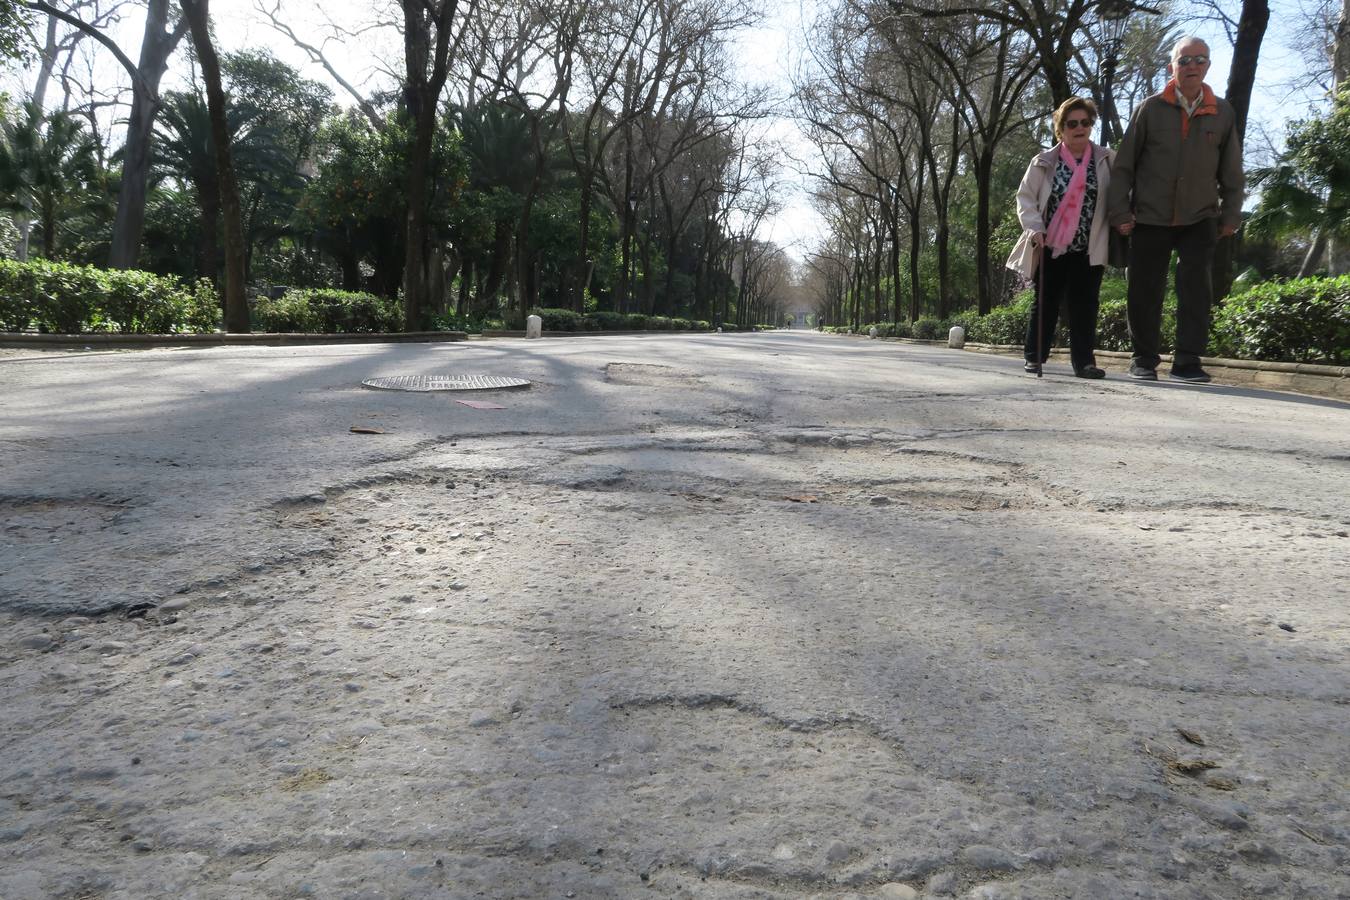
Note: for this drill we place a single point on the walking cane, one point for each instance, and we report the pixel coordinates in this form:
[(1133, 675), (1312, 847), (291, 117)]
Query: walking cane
[(1040, 309)]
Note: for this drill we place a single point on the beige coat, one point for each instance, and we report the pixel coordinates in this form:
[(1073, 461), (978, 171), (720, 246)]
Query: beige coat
[(1034, 196)]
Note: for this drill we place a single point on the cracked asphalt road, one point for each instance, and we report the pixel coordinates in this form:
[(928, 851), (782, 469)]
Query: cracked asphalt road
[(782, 615)]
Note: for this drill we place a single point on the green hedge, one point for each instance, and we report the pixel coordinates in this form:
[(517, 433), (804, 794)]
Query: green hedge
[(60, 298), (328, 311), (1305, 320), (1008, 324), (567, 320), (927, 328)]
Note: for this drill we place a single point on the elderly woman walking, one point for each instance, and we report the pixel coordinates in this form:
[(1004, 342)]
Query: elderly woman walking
[(1061, 205)]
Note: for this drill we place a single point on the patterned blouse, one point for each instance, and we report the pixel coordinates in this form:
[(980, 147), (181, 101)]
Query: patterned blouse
[(1057, 188)]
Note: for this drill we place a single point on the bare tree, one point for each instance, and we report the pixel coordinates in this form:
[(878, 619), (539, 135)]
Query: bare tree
[(317, 53), (989, 76), (1052, 26), (57, 46)]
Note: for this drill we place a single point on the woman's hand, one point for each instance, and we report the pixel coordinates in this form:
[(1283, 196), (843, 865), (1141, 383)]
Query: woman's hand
[(1126, 227)]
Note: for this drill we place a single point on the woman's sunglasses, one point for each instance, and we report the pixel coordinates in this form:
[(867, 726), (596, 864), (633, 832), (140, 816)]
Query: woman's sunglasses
[(1076, 123)]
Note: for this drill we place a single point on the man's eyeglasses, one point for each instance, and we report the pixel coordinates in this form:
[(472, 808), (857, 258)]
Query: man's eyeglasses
[(1198, 59), (1077, 123)]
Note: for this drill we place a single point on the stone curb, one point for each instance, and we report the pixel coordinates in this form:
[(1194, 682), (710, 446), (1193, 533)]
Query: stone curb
[(15, 339), (1299, 378)]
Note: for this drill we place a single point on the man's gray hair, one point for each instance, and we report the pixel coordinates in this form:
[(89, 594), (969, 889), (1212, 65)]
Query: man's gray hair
[(1188, 39)]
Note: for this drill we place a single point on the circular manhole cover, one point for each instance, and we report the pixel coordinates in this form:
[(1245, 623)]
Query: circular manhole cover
[(444, 383)]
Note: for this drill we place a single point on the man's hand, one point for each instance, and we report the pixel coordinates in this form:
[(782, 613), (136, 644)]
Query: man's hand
[(1125, 227), (1227, 230)]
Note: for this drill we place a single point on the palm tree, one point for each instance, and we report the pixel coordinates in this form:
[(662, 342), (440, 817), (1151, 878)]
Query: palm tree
[(48, 170), (1307, 190), (187, 152)]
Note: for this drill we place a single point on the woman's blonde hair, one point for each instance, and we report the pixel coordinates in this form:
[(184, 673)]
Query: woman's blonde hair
[(1069, 106)]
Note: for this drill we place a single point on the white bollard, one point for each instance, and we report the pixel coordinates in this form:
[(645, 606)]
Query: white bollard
[(872, 332), (956, 338), (534, 327)]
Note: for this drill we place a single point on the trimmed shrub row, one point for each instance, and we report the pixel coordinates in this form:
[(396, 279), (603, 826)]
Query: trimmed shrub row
[(328, 311), (56, 297), (1304, 320), (1008, 324), (568, 320)]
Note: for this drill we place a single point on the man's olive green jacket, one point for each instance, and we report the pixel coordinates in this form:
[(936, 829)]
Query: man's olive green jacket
[(1174, 169)]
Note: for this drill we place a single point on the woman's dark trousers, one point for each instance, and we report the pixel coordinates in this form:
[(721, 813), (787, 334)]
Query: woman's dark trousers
[(1071, 280)]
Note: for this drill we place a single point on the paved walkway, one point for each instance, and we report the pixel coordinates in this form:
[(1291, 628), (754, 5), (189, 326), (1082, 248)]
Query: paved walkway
[(782, 615)]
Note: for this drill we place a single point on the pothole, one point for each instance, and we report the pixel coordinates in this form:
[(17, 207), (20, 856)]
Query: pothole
[(647, 375), (49, 518)]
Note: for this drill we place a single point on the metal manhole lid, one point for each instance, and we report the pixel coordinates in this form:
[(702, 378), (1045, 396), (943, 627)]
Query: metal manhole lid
[(444, 383)]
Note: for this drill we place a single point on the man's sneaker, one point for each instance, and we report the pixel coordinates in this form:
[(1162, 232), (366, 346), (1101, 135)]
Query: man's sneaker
[(1192, 374), (1143, 373)]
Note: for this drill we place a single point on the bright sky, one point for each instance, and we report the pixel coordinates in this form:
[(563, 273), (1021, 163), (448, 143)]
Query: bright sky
[(766, 56)]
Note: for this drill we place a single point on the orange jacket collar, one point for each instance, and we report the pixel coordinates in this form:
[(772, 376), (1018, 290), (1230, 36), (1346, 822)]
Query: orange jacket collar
[(1208, 105)]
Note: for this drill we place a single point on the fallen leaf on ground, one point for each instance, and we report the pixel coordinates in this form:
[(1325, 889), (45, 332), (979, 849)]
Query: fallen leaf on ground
[(1191, 766), (802, 498), (480, 404), (366, 429), (309, 778), (1191, 736)]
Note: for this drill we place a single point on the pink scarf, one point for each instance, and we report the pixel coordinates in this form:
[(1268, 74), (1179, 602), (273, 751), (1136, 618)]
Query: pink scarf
[(1064, 224)]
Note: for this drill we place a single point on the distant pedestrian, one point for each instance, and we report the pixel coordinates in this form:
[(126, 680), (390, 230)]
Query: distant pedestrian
[(1178, 186), (1061, 207)]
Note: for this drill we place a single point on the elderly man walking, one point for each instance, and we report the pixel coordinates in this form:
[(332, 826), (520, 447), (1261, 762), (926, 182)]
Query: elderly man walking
[(1177, 185)]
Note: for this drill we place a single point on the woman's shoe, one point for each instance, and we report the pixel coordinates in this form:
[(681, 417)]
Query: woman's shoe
[(1089, 372)]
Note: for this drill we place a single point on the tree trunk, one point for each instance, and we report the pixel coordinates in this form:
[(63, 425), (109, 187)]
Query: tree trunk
[(209, 200), (1314, 254), (351, 271), (877, 302), (895, 263), (236, 304), (129, 222), (1340, 51), (498, 261), (47, 62), (23, 220), (1246, 53), (915, 291), (583, 262), (426, 42), (1241, 76), (465, 286), (157, 45), (47, 219), (415, 282), (984, 167)]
